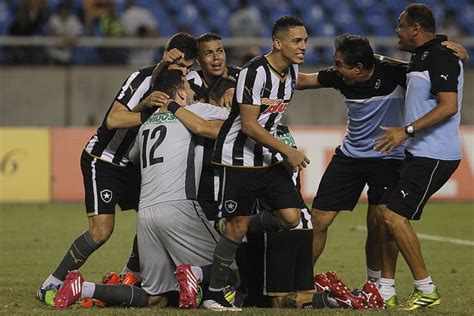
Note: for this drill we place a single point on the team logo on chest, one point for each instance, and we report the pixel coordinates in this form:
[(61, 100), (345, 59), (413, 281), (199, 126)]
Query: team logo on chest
[(425, 54), (230, 206), (106, 195)]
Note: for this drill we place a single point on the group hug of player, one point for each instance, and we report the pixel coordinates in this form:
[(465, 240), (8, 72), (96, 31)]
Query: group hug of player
[(203, 157)]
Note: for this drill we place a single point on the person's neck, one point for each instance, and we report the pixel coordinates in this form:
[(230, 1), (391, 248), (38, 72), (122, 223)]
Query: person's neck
[(424, 38), (210, 79), (278, 62)]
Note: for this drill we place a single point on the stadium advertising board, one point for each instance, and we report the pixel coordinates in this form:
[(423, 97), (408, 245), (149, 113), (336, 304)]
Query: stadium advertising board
[(25, 160)]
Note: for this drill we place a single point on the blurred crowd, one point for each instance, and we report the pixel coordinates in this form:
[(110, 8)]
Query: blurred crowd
[(70, 19)]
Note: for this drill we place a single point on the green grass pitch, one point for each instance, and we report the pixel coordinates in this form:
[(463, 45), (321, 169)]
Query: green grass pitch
[(33, 238)]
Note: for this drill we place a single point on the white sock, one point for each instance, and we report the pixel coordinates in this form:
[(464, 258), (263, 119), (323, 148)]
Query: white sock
[(197, 271), (387, 288), (425, 285), (88, 289), (51, 280), (372, 275)]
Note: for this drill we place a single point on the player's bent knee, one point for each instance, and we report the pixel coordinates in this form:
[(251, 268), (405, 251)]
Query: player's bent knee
[(290, 218)]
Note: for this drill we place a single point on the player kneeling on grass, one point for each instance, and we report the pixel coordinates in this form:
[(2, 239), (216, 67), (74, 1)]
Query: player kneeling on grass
[(171, 226)]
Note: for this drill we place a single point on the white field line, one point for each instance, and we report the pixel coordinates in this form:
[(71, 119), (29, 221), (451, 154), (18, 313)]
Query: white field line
[(428, 237)]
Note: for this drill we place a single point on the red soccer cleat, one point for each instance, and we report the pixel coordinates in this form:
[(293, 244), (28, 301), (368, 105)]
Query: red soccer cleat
[(342, 294), (188, 286), (371, 295), (70, 291), (110, 278), (321, 282), (129, 279)]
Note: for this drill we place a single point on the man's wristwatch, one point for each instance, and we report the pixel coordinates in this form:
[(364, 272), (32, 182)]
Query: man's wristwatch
[(410, 130)]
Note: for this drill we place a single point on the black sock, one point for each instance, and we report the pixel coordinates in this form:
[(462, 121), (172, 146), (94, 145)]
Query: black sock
[(206, 275), (133, 263), (264, 222), (77, 255), (121, 295), (223, 257), (320, 300)]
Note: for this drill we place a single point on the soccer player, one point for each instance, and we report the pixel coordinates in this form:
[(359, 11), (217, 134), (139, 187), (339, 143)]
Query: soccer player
[(214, 70), (213, 62), (249, 154), (433, 146), (171, 226), (109, 178)]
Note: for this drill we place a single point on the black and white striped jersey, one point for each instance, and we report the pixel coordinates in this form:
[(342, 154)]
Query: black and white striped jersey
[(259, 84), (114, 145), (196, 78)]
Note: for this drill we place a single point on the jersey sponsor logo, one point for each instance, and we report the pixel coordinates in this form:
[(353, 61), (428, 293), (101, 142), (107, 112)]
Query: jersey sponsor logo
[(230, 206), (445, 77), (106, 195), (274, 106), (162, 118)]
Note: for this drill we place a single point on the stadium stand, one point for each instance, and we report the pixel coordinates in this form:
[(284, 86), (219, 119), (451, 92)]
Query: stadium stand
[(324, 18)]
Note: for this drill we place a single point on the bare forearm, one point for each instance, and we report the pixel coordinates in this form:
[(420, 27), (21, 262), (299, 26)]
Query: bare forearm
[(197, 124), (439, 114), (123, 120), (263, 137)]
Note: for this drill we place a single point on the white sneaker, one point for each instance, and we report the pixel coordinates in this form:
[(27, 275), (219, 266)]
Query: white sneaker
[(213, 305)]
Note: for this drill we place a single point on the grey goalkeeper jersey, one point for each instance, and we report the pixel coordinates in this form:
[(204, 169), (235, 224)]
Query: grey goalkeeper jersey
[(170, 159)]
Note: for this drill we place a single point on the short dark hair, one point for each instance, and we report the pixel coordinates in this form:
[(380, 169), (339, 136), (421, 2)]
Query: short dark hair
[(185, 43), (356, 49), (418, 13), (169, 81), (284, 23), (208, 37), (220, 86)]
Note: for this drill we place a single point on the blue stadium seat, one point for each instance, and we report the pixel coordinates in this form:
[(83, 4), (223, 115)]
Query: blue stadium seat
[(83, 55)]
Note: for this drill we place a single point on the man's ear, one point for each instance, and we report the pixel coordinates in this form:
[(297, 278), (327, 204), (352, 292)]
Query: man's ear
[(277, 43), (359, 68), (181, 93)]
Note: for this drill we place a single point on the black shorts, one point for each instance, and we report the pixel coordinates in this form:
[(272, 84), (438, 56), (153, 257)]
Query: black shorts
[(106, 185), (279, 263), (345, 178), (240, 188), (420, 178)]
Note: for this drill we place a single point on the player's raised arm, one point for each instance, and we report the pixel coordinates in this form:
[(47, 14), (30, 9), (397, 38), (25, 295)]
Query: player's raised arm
[(308, 81)]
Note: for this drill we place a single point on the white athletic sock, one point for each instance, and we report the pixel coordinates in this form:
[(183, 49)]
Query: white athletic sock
[(88, 289), (197, 271), (387, 288), (372, 275), (425, 285), (51, 280)]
